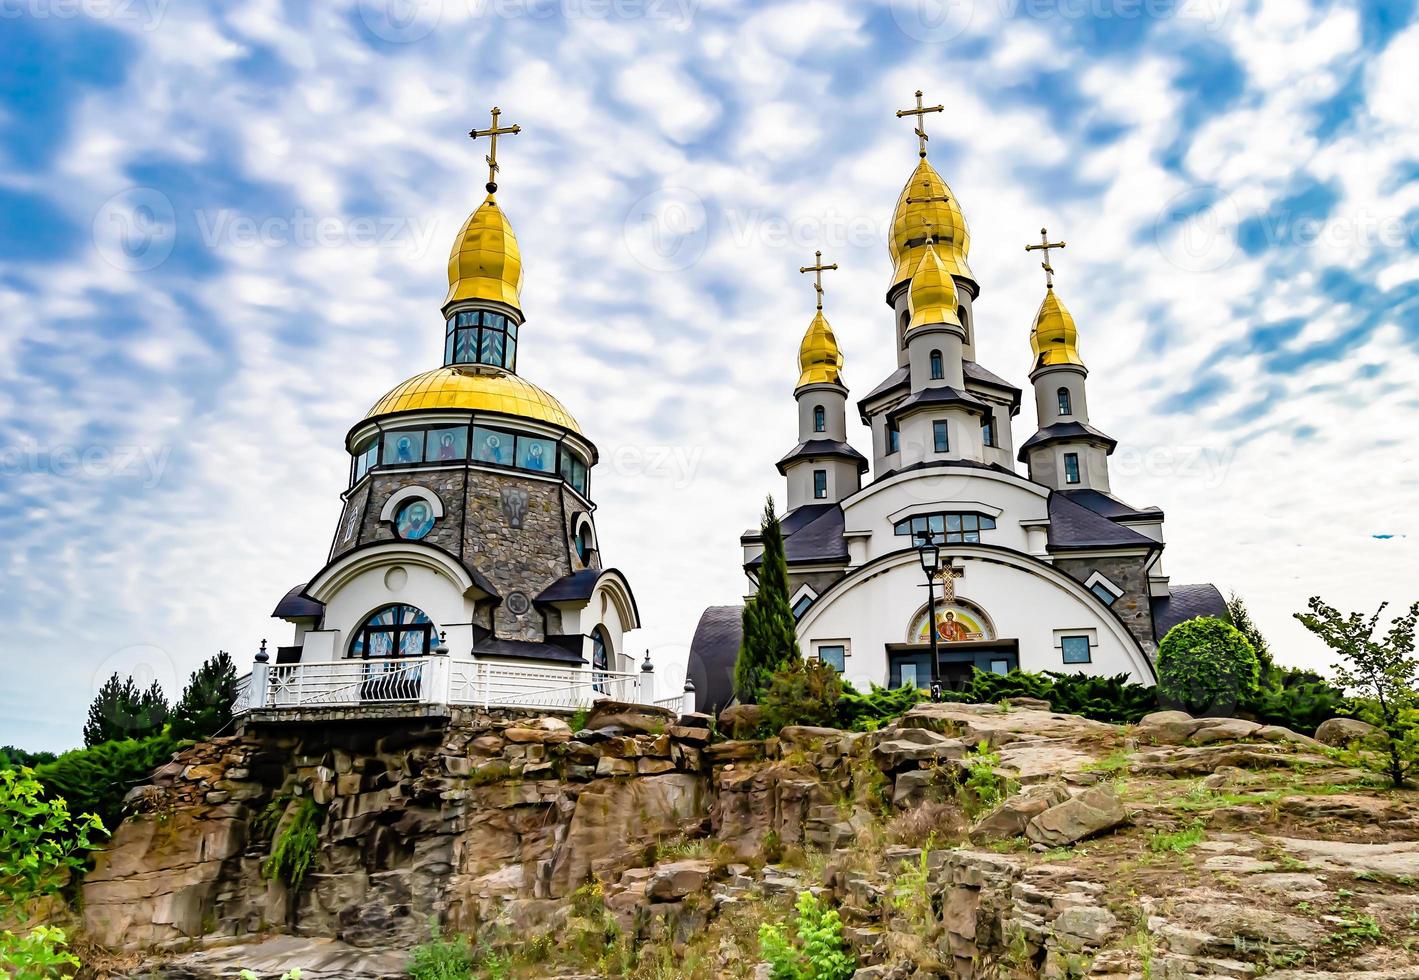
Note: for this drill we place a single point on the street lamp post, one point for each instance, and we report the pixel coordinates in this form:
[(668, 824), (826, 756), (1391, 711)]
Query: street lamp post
[(930, 556)]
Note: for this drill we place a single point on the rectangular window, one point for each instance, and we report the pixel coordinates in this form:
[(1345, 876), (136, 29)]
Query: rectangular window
[(1076, 649), (579, 477), (491, 350), (1000, 666), (365, 455), (987, 430), (404, 447), (908, 676), (834, 656), (536, 454), (492, 446), (820, 484), (940, 436), (1103, 593), (446, 444), (1071, 467), (801, 606), (466, 346), (894, 438)]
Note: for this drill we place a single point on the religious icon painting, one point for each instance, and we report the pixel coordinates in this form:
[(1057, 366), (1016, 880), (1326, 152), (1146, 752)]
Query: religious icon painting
[(535, 454), (414, 520), (492, 447), (956, 622)]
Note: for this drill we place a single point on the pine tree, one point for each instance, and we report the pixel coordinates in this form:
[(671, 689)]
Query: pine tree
[(205, 707), (770, 633), (1241, 619), (115, 703), (151, 712)]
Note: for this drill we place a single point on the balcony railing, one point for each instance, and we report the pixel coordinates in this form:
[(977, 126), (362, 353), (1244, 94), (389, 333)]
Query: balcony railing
[(440, 679)]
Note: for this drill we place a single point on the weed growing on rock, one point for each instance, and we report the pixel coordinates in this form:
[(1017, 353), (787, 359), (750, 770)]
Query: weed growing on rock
[(1177, 842), (296, 848), (983, 789), (815, 950)]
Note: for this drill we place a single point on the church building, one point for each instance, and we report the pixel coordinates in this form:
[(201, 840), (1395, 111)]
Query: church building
[(1042, 570), (465, 565)]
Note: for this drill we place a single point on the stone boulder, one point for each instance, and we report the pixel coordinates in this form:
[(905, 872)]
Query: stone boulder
[(1091, 812), (1168, 727), (990, 723), (900, 747), (1343, 731), (741, 720), (672, 882), (646, 718), (1010, 818)]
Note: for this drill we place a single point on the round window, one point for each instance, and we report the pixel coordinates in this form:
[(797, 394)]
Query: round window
[(414, 519)]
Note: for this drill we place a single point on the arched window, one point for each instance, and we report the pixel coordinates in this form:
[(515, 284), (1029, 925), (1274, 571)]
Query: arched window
[(820, 419), (585, 544), (937, 370), (394, 631), (1064, 405), (601, 653)]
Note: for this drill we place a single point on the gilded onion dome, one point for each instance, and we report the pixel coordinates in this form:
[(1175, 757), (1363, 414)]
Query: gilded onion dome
[(819, 359), (476, 390), (932, 296), (933, 206), (1055, 338), (485, 262)]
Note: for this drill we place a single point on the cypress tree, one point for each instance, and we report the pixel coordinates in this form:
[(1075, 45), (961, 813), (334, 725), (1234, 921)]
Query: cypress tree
[(205, 707), (770, 638)]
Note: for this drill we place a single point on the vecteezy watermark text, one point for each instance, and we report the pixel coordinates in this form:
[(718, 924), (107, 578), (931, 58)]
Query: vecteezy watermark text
[(144, 463)]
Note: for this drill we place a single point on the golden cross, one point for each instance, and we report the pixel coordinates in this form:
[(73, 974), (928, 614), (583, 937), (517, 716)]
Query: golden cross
[(948, 576), (1044, 246), (493, 133), (920, 112), (817, 268)]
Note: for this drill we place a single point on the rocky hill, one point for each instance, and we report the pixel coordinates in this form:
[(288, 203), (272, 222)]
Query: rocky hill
[(962, 841)]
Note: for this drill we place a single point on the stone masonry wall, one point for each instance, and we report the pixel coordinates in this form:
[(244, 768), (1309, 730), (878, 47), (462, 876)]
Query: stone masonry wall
[(1128, 574)]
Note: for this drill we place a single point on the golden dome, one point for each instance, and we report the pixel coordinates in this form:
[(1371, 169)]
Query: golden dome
[(1055, 338), (819, 359), (932, 295), (942, 218), (485, 262), (480, 391)]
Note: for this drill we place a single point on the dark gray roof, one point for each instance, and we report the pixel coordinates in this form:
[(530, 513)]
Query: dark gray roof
[(295, 605), (934, 397), (1066, 430), (1073, 526), (896, 379), (824, 448), (713, 653), (816, 536), (1110, 506), (570, 588), (974, 372), (497, 648), (1186, 602)]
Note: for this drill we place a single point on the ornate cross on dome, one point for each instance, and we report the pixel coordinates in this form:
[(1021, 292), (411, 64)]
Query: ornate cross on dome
[(818, 268), (493, 133), (1044, 246), (920, 112)]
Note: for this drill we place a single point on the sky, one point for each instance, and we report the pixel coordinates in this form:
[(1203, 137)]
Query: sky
[(224, 233)]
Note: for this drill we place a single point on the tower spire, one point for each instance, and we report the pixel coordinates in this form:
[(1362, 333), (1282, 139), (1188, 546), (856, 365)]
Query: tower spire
[(818, 268), (920, 112), (493, 132)]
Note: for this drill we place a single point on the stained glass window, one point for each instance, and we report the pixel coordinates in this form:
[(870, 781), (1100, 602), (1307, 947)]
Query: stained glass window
[(447, 444), (492, 446), (403, 447), (414, 519), (400, 628), (1075, 649), (536, 454)]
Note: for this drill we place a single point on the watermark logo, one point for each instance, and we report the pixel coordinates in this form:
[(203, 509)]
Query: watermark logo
[(143, 463), (675, 465), (1197, 230), (136, 229), (147, 14), (667, 230), (301, 229), (933, 21), (401, 21)]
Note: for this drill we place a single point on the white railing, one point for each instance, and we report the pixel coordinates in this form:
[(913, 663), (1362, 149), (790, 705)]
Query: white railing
[(439, 680)]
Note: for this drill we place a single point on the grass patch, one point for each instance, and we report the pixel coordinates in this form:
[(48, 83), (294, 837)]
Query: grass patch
[(1178, 841)]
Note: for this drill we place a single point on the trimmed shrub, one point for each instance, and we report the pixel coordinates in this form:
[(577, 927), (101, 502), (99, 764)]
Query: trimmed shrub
[(803, 692), (95, 780), (867, 712), (1297, 699), (1207, 667)]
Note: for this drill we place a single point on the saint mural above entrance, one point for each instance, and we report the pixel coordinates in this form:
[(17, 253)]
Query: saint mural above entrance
[(470, 497), (1072, 575)]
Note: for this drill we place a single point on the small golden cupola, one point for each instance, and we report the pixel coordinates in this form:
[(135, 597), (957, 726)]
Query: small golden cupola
[(927, 202), (932, 297), (485, 263), (1055, 338), (820, 361)]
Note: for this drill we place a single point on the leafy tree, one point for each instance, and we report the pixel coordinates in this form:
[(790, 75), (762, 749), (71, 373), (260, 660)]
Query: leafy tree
[(802, 692), (121, 711), (1382, 669), (1207, 667), (770, 634), (41, 847), (816, 950), (1240, 618), (12, 757), (205, 707)]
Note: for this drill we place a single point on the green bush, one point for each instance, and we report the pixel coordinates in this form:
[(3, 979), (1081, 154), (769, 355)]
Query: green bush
[(13, 757), (39, 954), (1207, 667), (443, 959), (297, 846), (95, 780), (867, 712), (1116, 700), (802, 692), (1297, 699), (817, 949)]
